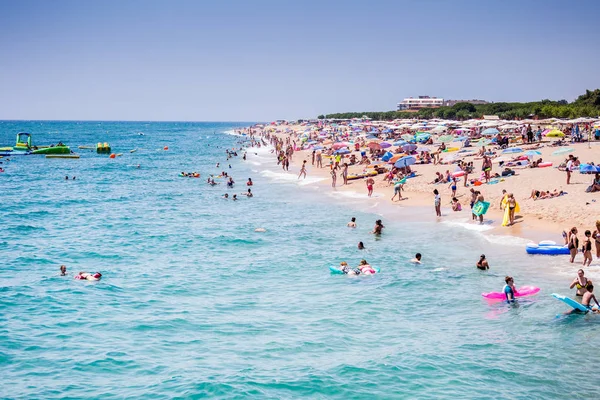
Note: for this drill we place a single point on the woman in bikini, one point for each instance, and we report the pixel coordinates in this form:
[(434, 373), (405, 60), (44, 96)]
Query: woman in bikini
[(587, 249), (596, 237), (573, 243), (512, 203), (580, 282)]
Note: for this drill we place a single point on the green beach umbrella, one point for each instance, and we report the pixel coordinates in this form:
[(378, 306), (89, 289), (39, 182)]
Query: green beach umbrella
[(446, 138), (483, 142)]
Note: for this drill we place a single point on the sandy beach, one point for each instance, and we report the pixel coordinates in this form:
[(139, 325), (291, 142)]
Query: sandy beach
[(541, 219)]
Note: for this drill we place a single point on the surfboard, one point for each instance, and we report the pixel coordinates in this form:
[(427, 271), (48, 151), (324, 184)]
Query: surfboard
[(573, 303), (480, 208)]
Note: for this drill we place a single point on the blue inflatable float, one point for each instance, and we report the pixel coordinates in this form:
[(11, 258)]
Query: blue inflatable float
[(546, 247)]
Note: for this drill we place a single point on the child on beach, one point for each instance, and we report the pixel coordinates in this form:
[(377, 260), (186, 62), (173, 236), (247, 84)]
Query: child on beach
[(587, 249), (370, 182), (453, 186), (456, 206)]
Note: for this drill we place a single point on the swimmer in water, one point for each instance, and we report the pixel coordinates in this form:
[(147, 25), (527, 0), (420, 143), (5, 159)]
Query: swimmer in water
[(586, 301), (63, 270), (365, 268), (361, 246), (248, 193), (234, 197), (417, 259), (226, 196), (580, 282), (88, 276), (249, 183), (482, 264), (378, 227), (352, 223), (509, 289)]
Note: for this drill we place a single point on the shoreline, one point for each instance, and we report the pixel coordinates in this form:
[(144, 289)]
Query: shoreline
[(533, 226)]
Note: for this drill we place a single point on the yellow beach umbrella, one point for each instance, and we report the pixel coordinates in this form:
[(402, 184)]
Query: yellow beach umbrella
[(555, 133)]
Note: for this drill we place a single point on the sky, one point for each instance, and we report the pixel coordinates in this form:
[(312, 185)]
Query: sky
[(256, 60)]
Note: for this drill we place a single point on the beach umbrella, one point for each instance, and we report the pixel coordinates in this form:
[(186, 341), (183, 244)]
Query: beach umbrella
[(483, 142), (461, 139), (339, 145), (407, 137), (396, 158), (405, 161), (512, 150), (446, 138), (531, 153), (588, 169), (563, 150), (423, 148), (374, 146), (555, 133), (342, 151), (317, 147), (490, 132), (409, 147), (400, 142), (385, 145)]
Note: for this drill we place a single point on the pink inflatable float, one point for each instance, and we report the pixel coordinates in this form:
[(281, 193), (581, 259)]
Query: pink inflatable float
[(521, 292)]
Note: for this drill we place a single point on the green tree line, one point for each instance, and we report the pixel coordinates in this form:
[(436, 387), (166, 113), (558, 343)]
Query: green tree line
[(586, 105)]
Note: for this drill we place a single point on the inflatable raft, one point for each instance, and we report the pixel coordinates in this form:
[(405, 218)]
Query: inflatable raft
[(546, 247), (359, 176), (338, 271)]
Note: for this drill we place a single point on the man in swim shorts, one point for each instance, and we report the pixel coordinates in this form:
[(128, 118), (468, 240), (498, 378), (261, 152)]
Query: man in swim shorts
[(417, 259), (352, 223)]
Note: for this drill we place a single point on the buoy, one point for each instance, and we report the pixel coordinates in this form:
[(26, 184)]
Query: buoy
[(260, 230), (166, 148), (113, 155)]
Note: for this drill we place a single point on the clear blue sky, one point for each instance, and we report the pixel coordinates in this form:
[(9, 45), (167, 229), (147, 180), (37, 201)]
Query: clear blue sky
[(262, 60)]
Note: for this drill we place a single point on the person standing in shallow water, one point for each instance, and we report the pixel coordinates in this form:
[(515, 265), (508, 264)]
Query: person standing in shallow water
[(437, 201), (333, 177)]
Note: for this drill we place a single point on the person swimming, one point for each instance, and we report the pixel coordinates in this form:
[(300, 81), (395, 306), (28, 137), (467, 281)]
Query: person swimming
[(361, 246), (234, 197), (88, 276), (378, 227), (482, 264), (417, 259), (63, 270), (352, 223), (226, 196)]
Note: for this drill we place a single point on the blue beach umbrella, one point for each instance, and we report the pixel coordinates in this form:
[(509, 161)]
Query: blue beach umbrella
[(405, 161), (319, 147), (460, 139), (342, 151), (563, 150), (409, 147), (512, 150), (531, 153), (588, 169), (400, 142)]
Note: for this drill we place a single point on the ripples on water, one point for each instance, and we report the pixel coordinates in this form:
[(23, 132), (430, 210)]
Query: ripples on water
[(194, 303)]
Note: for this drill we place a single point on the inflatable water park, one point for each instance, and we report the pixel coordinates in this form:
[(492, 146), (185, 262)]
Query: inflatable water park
[(23, 147)]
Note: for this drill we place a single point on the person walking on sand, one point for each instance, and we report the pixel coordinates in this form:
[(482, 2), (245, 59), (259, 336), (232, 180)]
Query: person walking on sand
[(370, 183), (302, 170), (481, 199), (313, 157), (437, 201), (453, 186), (569, 168)]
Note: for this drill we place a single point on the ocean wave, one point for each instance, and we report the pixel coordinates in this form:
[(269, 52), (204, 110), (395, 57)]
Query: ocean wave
[(470, 226)]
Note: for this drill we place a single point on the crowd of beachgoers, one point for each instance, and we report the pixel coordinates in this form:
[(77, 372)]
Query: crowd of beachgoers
[(398, 155)]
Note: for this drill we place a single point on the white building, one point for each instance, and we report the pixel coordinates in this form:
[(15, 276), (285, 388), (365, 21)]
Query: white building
[(420, 102)]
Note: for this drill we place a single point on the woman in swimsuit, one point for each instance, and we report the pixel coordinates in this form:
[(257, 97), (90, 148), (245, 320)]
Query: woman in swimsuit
[(587, 248), (573, 243), (512, 203), (365, 268), (580, 282), (378, 227), (596, 237)]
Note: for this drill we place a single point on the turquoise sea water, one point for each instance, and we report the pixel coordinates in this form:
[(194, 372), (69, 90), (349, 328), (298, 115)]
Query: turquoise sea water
[(194, 303)]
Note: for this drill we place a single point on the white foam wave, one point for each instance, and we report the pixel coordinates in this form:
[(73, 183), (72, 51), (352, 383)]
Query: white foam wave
[(507, 240), (352, 195), (290, 178), (470, 226)]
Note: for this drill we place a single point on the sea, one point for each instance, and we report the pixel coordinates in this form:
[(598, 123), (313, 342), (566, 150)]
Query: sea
[(195, 303)]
